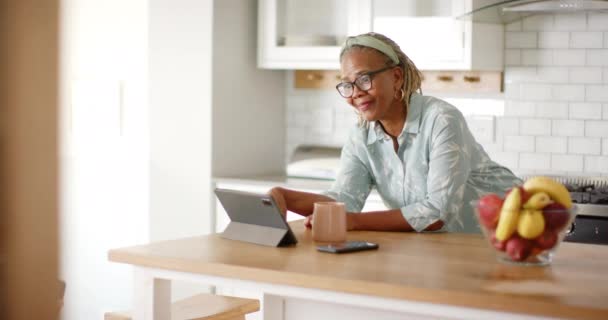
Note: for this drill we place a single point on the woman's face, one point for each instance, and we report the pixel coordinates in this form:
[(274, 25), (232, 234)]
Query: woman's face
[(377, 103)]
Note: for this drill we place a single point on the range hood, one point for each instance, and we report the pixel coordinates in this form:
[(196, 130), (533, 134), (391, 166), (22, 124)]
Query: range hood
[(492, 11)]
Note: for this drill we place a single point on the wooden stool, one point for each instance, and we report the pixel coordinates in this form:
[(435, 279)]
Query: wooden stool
[(204, 307)]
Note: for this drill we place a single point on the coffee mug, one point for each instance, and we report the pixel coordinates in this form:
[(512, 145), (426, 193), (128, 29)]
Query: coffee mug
[(329, 222)]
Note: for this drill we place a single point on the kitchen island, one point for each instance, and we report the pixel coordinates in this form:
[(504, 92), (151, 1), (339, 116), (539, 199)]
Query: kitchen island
[(431, 275)]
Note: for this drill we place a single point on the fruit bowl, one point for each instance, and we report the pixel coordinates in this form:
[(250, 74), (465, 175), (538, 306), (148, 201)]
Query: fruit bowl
[(528, 224)]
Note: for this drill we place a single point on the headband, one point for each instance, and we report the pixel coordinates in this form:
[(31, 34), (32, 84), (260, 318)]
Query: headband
[(371, 42)]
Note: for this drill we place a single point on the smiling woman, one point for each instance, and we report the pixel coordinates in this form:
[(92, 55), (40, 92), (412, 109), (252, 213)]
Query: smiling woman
[(416, 150)]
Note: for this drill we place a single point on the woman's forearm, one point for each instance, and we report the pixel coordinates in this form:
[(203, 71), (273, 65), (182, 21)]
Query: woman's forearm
[(302, 202), (389, 220)]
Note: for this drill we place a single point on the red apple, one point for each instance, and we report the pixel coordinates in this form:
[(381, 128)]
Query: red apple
[(525, 195), (500, 245), (546, 240), (518, 248), (556, 216), (489, 210)]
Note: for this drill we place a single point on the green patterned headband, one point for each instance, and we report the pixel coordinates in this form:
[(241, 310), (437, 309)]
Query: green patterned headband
[(371, 42)]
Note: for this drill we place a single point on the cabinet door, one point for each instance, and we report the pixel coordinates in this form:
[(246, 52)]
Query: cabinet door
[(426, 30), (307, 34)]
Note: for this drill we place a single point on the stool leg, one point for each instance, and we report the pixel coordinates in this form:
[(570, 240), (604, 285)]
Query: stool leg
[(152, 297)]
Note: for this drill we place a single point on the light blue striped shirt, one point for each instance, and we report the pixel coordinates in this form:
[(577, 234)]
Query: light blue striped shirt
[(438, 169)]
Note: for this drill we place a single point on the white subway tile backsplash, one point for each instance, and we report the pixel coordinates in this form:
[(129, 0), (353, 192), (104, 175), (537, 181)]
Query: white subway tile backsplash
[(597, 57), (605, 111), (534, 161), (513, 26), (515, 40), (520, 74), (519, 143), (597, 21), (512, 90), (507, 159), (538, 22), (605, 146), (568, 92), (537, 57), (606, 39), (535, 127), (591, 111), (551, 144), (587, 40), (549, 74), (323, 121), (596, 129), (596, 164), (597, 93), (519, 109), (568, 128), (553, 40), (536, 92), (571, 22), (507, 126), (591, 146), (512, 57), (552, 110), (605, 75), (569, 57), (585, 75), (564, 162)]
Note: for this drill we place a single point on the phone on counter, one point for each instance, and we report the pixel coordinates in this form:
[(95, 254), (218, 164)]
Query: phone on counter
[(348, 246)]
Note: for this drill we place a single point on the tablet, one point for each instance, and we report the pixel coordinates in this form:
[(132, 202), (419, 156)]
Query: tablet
[(254, 218)]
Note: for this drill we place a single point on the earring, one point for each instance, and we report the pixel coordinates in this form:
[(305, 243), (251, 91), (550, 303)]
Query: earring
[(402, 94)]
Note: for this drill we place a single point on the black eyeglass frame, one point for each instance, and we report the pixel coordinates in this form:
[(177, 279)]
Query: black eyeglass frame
[(370, 74)]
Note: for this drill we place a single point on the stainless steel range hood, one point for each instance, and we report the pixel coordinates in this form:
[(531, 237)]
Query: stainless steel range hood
[(492, 11)]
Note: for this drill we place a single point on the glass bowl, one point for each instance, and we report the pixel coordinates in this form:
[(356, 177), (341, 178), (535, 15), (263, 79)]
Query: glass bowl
[(525, 250)]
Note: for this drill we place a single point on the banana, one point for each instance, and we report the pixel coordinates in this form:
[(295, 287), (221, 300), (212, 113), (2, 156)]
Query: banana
[(554, 189), (531, 224), (538, 201), (509, 215)]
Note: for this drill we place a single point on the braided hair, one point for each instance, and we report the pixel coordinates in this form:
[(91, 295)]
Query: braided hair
[(412, 77)]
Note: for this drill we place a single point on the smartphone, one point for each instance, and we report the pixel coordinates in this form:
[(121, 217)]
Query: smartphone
[(349, 246)]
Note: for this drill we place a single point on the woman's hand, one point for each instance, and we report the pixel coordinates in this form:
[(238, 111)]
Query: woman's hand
[(277, 194), (308, 221)]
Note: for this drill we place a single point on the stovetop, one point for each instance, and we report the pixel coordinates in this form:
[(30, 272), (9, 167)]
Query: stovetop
[(589, 193)]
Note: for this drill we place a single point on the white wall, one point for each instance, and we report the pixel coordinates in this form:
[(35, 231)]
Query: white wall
[(180, 117), (180, 53), (104, 171), (248, 103)]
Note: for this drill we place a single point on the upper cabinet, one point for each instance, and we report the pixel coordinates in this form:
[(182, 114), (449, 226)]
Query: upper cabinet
[(305, 34)]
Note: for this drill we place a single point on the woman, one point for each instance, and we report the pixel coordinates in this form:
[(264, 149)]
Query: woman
[(416, 150)]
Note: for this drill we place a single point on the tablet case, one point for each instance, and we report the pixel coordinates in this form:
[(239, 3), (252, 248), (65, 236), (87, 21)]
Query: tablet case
[(254, 218)]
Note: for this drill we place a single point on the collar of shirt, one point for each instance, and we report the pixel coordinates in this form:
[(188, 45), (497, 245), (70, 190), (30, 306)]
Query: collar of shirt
[(412, 122)]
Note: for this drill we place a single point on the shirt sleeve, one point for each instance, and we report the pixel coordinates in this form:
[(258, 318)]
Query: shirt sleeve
[(449, 168), (353, 181)]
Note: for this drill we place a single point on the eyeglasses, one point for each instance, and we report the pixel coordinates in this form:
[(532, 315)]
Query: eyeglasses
[(363, 83)]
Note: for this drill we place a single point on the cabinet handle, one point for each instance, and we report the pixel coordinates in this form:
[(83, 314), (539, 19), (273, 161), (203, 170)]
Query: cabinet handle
[(445, 78), (472, 79), (314, 76)]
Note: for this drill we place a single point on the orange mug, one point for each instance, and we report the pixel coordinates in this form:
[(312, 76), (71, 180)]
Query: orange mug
[(329, 222)]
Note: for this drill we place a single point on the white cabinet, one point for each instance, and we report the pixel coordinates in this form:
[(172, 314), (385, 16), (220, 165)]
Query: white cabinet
[(307, 34), (429, 35)]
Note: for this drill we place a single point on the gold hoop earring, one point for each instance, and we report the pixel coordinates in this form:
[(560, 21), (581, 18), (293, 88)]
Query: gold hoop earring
[(402, 94)]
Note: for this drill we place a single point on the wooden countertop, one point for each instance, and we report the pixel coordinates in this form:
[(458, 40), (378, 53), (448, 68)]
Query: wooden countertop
[(444, 268)]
